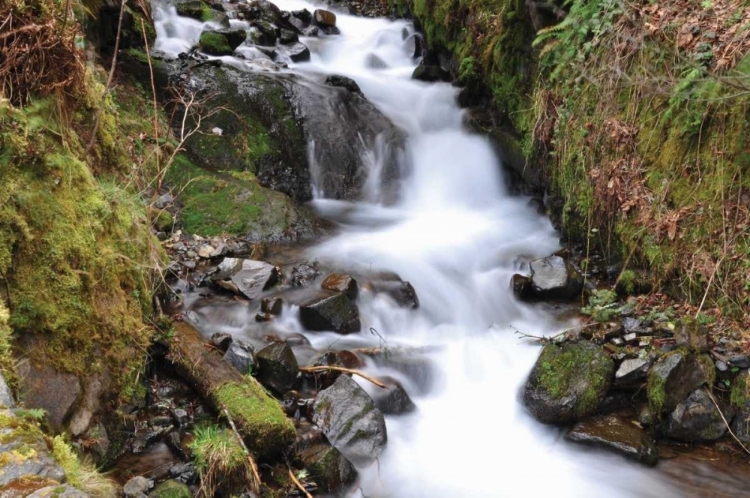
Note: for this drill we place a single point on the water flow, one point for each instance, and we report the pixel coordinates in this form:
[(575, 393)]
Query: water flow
[(456, 236)]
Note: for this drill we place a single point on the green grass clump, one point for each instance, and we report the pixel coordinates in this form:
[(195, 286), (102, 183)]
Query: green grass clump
[(220, 460), (82, 474)]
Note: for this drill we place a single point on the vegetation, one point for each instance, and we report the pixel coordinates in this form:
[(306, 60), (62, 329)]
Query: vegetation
[(80, 473), (220, 460)]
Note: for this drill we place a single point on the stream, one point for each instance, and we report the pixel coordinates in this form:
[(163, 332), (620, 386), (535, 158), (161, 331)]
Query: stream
[(458, 236)]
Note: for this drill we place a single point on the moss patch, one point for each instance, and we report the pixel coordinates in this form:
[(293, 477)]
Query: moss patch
[(740, 394), (220, 460)]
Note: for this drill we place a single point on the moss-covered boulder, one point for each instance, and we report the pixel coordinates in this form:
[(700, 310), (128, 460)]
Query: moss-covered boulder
[(740, 400), (24, 451), (698, 419), (328, 468), (674, 376), (332, 312), (221, 42), (201, 11), (568, 382), (616, 434), (171, 489)]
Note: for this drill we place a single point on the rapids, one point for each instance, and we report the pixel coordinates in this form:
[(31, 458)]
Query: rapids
[(458, 236)]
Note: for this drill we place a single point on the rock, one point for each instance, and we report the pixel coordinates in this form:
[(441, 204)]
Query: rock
[(221, 42), (58, 491), (343, 82), (616, 434), (89, 405), (335, 313), (430, 74), (568, 382), (180, 416), (6, 397), (221, 340), (200, 11), (303, 15), (55, 392), (345, 359), (521, 286), (375, 62), (689, 333), (632, 372), (696, 419), (206, 251), (555, 278), (171, 489), (25, 450), (246, 276), (328, 468), (273, 306), (311, 31), (241, 355), (394, 400), (401, 292), (296, 52), (303, 275), (739, 360), (264, 33), (337, 282), (674, 376), (136, 487), (278, 367), (287, 37), (324, 18), (351, 422)]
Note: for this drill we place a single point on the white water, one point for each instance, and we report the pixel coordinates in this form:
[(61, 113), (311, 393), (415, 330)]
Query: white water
[(456, 236)]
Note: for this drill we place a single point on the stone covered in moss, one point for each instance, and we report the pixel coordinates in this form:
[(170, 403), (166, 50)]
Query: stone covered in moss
[(674, 376), (618, 435), (221, 42), (24, 453), (697, 418), (568, 382), (201, 11), (171, 489), (330, 470)]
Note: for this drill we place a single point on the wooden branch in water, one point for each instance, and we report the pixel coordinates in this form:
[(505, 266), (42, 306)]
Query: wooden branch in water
[(325, 368), (299, 484), (255, 485)]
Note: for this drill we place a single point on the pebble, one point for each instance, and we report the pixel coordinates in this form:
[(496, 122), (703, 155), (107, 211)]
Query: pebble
[(205, 251), (740, 361), (721, 366)]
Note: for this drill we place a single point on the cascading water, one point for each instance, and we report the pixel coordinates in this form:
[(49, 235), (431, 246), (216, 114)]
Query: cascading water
[(456, 235)]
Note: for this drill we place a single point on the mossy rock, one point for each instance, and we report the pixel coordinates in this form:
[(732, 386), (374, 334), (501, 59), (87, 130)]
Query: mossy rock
[(568, 382), (674, 376), (330, 470), (740, 394), (171, 489), (201, 11), (216, 43)]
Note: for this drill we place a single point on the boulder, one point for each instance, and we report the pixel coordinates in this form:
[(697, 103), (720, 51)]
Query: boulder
[(303, 275), (401, 292), (328, 468), (335, 313), (348, 417), (26, 451), (616, 434), (295, 51), (272, 306), (696, 419), (430, 74), (555, 278), (394, 400), (277, 367), (324, 18), (345, 359), (303, 15), (246, 276), (264, 33), (345, 284), (568, 382), (171, 489), (202, 12), (241, 355), (674, 376), (521, 286), (55, 392), (89, 405), (221, 42), (6, 396), (311, 31), (690, 334), (343, 82), (287, 37), (58, 491), (632, 372), (137, 487), (221, 341)]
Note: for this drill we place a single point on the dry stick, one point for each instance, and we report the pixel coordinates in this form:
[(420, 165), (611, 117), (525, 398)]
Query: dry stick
[(156, 106), (708, 286), (345, 370), (725, 421), (299, 484), (253, 466), (109, 80)]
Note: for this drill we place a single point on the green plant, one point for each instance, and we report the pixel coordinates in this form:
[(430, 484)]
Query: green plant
[(81, 473), (220, 460)]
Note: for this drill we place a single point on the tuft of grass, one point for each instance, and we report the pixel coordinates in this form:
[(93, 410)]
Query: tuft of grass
[(81, 473), (220, 460)]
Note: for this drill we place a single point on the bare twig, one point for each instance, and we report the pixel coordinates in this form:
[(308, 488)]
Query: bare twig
[(107, 87), (725, 422), (156, 106), (253, 466), (325, 368), (299, 484)]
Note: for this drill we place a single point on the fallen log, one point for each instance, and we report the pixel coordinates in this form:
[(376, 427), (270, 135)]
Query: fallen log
[(258, 416)]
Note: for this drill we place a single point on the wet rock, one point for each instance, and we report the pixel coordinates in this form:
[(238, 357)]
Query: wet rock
[(674, 376), (200, 11), (348, 417), (272, 306), (311, 31), (206, 251), (264, 33), (401, 292), (89, 404), (180, 416), (555, 278), (689, 333), (568, 382), (521, 286), (430, 74), (343, 82), (58, 491), (324, 18), (394, 400), (328, 468), (297, 52), (221, 341), (241, 355), (246, 276), (6, 397), (171, 489), (278, 367), (345, 284), (330, 313), (184, 473), (632, 372), (136, 487), (375, 62), (55, 392), (221, 42), (345, 359), (739, 360), (303, 15), (696, 419), (24, 443), (616, 434), (303, 275), (287, 37)]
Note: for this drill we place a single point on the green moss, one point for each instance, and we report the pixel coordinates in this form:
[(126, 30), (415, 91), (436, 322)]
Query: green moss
[(740, 394), (81, 474), (258, 416), (171, 489), (220, 460), (214, 43)]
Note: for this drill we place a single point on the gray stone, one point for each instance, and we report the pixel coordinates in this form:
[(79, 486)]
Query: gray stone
[(136, 487), (631, 372), (241, 355), (303, 275), (295, 51), (89, 404), (739, 361), (674, 376), (335, 313), (28, 453), (277, 367), (206, 251), (691, 334), (328, 468), (6, 397), (343, 82), (272, 306), (401, 292), (394, 400), (58, 491), (55, 392), (555, 278), (696, 419), (616, 434), (348, 417), (245, 276)]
